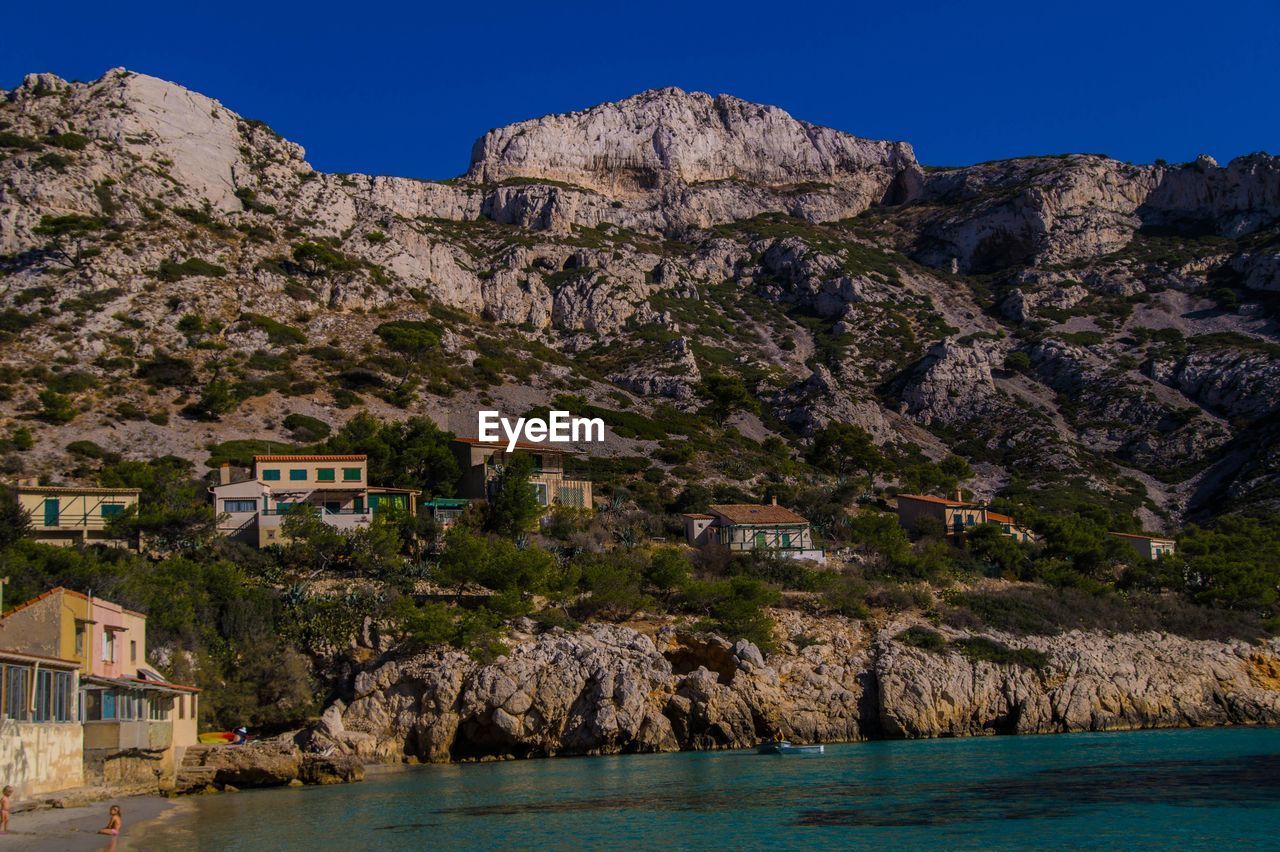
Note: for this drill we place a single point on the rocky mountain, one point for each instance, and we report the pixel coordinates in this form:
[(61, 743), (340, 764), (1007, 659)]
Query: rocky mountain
[(1064, 323)]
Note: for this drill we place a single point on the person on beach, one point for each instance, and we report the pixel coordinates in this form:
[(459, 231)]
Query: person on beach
[(114, 824), (4, 809), (242, 735)]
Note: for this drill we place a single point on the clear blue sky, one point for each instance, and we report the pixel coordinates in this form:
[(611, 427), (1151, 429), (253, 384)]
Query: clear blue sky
[(405, 89)]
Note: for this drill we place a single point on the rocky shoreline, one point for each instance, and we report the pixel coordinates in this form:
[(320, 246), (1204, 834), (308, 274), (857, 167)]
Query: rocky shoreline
[(609, 689)]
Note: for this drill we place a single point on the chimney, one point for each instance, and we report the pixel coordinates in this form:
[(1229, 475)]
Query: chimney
[(224, 474), (773, 501), (959, 496)]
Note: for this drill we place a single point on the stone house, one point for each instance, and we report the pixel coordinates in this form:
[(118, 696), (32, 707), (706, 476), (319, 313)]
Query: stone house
[(747, 526), (1148, 547), (955, 516), (41, 738), (251, 508), (134, 724), (552, 480), (70, 515)]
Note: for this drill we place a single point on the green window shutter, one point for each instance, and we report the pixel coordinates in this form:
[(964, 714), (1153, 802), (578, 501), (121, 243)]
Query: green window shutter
[(351, 474), (358, 505), (298, 475), (760, 539), (111, 509), (52, 511), (324, 474), (270, 475)]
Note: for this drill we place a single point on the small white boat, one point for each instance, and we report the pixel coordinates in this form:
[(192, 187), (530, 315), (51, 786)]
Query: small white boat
[(785, 747)]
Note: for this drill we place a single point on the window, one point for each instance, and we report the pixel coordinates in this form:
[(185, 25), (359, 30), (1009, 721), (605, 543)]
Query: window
[(271, 474), (16, 684), (239, 505), (80, 630), (133, 651), (182, 707), (63, 693), (298, 474), (351, 474), (357, 505), (786, 539), (108, 646), (540, 489), (324, 474), (760, 539), (333, 507), (44, 696), (52, 511), (110, 510)]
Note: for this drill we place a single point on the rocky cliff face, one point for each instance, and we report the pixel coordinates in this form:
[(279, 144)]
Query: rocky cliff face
[(628, 251), (610, 689)]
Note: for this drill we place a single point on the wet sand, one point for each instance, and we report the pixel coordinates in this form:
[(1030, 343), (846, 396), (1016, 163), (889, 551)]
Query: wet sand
[(75, 829)]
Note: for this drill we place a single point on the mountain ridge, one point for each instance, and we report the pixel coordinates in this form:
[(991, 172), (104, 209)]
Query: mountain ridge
[(1130, 295)]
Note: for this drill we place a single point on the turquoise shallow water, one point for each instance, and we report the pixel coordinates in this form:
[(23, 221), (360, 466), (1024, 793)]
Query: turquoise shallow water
[(1158, 789)]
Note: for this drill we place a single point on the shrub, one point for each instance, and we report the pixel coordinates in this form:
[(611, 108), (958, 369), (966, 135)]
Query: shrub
[(277, 332), (172, 271), (1018, 362), (166, 371), (55, 408), (981, 648), (70, 141), (306, 430), (917, 636)]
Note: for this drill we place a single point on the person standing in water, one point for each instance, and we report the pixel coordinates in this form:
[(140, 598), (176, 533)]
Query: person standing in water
[(114, 824)]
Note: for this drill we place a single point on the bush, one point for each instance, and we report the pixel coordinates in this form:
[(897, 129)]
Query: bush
[(306, 430), (981, 648), (172, 271), (55, 408), (917, 636), (166, 371), (277, 332)]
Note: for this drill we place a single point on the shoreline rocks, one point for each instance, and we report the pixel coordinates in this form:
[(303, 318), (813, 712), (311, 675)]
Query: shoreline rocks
[(610, 689)]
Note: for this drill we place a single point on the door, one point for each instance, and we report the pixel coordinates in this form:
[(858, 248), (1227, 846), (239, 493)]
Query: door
[(52, 511)]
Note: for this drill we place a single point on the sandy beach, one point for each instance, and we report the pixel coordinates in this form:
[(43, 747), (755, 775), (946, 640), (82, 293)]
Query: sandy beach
[(56, 829)]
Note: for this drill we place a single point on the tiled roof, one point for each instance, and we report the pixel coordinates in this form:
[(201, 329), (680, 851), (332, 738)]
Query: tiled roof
[(999, 518), (520, 445), (699, 517), (1143, 536), (286, 458), (23, 655), (925, 498), (750, 513), (65, 591), (73, 489)]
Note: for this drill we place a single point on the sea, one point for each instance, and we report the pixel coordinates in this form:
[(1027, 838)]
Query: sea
[(1182, 789)]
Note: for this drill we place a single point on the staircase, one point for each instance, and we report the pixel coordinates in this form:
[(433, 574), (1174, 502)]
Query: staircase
[(192, 774)]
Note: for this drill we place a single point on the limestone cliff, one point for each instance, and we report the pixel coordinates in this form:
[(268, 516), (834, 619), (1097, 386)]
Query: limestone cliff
[(610, 689)]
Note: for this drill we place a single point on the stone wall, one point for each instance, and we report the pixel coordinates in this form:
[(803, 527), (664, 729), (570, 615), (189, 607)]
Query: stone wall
[(40, 758)]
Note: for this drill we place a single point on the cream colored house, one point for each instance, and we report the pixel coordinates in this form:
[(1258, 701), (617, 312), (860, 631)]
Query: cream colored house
[(1148, 546), (955, 515), (41, 739), (67, 515), (135, 723), (482, 460), (747, 526), (253, 508)]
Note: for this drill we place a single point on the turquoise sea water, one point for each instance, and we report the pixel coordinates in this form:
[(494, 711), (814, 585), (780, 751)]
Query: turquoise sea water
[(1160, 789)]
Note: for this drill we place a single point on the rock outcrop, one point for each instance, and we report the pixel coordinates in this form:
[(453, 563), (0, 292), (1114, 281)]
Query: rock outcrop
[(608, 689)]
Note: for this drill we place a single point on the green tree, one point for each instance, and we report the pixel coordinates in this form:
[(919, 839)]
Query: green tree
[(15, 523), (989, 545), (69, 235), (725, 395), (513, 503), (55, 408), (843, 449)]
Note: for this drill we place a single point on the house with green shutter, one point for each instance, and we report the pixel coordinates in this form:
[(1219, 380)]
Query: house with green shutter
[(747, 526), (68, 515), (251, 507)]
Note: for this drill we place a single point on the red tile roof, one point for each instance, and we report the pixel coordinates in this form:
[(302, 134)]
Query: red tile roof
[(1143, 536), (287, 458), (58, 661), (751, 513), (999, 518), (925, 498), (520, 445)]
